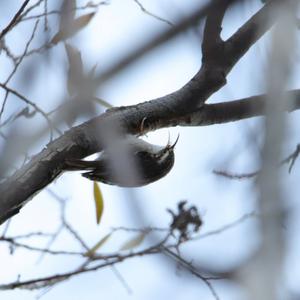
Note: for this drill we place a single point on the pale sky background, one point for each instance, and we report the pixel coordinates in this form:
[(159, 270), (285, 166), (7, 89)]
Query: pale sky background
[(115, 30)]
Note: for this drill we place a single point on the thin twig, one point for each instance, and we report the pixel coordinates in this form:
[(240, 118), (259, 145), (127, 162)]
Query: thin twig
[(23, 112), (62, 204), (112, 259), (58, 12), (290, 159), (29, 9), (143, 9), (32, 234), (36, 107), (75, 234), (145, 229), (8, 52), (234, 176), (24, 54), (54, 279), (7, 224), (12, 242), (14, 20), (46, 15), (182, 262), (227, 226), (3, 104), (39, 50)]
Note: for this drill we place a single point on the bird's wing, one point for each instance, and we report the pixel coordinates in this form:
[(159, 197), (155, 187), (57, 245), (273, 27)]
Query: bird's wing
[(80, 165)]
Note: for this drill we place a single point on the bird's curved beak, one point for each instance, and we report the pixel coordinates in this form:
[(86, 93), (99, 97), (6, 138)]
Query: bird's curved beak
[(173, 146)]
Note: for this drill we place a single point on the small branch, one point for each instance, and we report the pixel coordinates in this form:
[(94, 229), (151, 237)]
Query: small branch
[(13, 243), (54, 279), (143, 9), (58, 12), (46, 25), (291, 159), (8, 52), (102, 261), (188, 266), (3, 105), (75, 235), (30, 8), (227, 226), (233, 176), (231, 111), (32, 234), (35, 106), (14, 20), (46, 46), (24, 112), (21, 57), (145, 230)]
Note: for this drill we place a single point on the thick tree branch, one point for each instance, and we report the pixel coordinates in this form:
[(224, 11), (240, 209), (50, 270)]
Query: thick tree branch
[(236, 110), (83, 140), (240, 42), (184, 107), (212, 42), (212, 74)]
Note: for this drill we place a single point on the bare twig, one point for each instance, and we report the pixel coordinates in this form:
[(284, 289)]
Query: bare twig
[(8, 52), (143, 9), (54, 279), (60, 228), (14, 243), (75, 234), (22, 113), (35, 106), (21, 57), (3, 104), (226, 227), (163, 246), (32, 234), (14, 19), (291, 159), (46, 26), (30, 8), (189, 266), (58, 12), (145, 230)]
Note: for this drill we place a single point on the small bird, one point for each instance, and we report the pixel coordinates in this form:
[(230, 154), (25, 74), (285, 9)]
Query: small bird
[(152, 162)]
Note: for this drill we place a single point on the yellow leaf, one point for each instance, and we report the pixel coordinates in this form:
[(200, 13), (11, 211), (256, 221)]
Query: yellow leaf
[(98, 202), (93, 250), (72, 28), (134, 242), (102, 102)]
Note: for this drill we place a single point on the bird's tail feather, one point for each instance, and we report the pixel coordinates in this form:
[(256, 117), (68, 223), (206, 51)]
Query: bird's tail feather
[(78, 165)]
